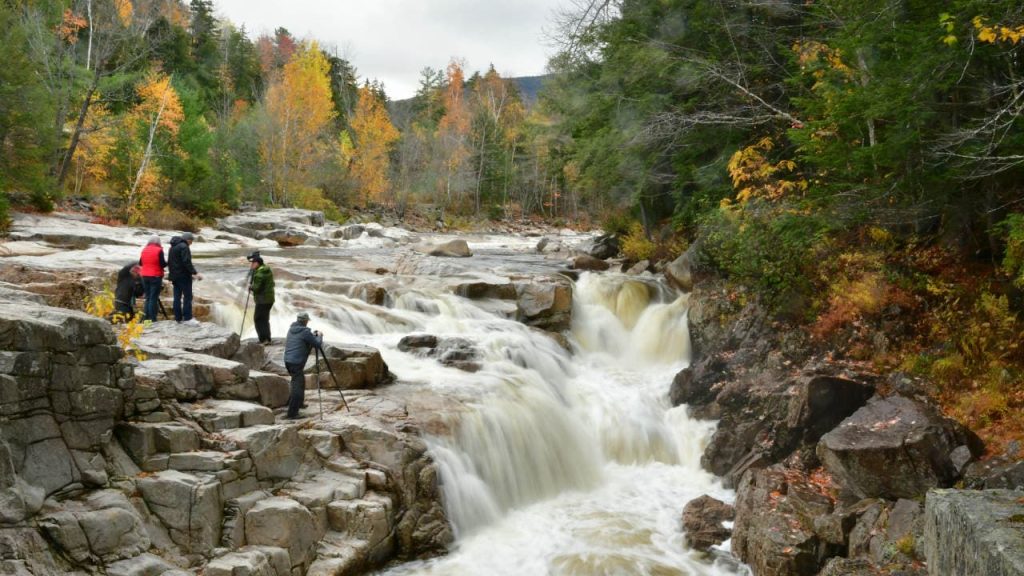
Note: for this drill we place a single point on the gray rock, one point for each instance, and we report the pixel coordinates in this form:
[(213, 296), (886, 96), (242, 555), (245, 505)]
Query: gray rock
[(501, 290), (974, 532), (142, 565), (288, 237), (283, 523), (350, 232), (206, 338), (369, 520), (273, 388), (190, 506), (702, 522), (251, 561), (603, 247), (457, 248), (893, 448), (276, 450)]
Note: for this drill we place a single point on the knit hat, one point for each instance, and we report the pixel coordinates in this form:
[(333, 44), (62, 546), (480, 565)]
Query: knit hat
[(302, 317), (187, 236), (154, 240)]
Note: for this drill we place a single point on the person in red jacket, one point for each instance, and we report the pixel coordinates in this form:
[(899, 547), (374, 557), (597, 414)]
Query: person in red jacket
[(153, 264)]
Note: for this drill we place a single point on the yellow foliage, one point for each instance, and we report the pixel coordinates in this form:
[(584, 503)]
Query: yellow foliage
[(998, 32), (635, 245), (374, 135), (754, 176), (125, 11), (300, 107), (159, 102), (128, 328)]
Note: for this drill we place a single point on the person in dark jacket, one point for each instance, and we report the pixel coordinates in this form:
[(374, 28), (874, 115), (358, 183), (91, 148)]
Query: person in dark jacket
[(129, 287), (181, 272), (152, 265), (297, 346), (262, 287)]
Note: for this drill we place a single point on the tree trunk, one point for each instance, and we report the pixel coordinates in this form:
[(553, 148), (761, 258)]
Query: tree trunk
[(76, 136), (149, 147)]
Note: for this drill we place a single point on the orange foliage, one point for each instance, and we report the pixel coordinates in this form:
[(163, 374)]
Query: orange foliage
[(300, 108), (374, 135), (453, 129), (125, 11), (159, 111), (69, 26)]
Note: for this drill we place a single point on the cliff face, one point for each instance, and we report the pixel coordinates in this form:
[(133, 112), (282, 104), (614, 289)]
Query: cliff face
[(830, 460), (178, 464)]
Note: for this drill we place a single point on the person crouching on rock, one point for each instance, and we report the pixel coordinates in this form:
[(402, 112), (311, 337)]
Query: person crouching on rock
[(297, 346), (262, 287), (129, 287), (181, 272), (152, 265)]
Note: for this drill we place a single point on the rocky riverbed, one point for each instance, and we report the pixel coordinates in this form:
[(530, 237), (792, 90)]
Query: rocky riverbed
[(498, 417)]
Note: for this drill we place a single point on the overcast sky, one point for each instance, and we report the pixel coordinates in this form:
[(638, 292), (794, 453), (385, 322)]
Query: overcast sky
[(393, 40)]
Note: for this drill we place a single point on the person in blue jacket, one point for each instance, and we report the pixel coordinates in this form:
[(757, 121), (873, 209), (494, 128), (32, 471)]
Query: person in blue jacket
[(297, 346)]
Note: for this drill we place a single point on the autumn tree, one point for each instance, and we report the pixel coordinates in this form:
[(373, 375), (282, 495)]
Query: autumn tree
[(373, 136), (299, 113), (150, 127), (453, 132)]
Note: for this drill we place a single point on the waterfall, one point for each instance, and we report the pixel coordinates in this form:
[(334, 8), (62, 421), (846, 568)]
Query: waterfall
[(578, 465), (555, 462)]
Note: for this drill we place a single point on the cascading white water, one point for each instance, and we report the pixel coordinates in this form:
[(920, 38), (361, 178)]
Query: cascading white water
[(578, 467)]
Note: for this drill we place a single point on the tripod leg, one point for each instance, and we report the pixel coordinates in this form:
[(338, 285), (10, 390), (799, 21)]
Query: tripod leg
[(319, 396)]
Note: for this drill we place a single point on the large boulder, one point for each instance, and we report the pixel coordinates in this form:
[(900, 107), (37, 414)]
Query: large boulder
[(103, 527), (974, 532), (792, 413), (283, 523), (288, 237), (190, 506), (687, 269), (703, 522), (589, 263), (775, 523), (603, 247), (276, 450), (545, 305), (251, 561), (354, 366), (894, 448), (457, 248)]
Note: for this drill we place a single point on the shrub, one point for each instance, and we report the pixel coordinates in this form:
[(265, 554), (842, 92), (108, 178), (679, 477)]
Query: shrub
[(5, 218), (618, 222), (167, 218), (128, 328), (314, 199), (636, 245), (1013, 260), (774, 251)]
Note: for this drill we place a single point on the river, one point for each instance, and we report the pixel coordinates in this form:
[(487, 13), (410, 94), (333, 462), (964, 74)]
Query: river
[(551, 461)]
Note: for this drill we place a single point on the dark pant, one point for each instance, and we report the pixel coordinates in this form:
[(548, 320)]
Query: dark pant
[(298, 393), (151, 287), (261, 318), (124, 308), (182, 298)]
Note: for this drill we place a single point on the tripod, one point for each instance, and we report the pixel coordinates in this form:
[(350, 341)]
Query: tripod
[(248, 292), (320, 354)]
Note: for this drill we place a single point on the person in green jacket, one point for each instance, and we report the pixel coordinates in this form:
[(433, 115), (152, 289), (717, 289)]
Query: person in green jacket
[(262, 287)]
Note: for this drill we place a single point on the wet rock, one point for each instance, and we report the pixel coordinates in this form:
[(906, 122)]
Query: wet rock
[(549, 246), (354, 366), (288, 237), (791, 413), (894, 448), (603, 247), (589, 263), (545, 305), (639, 268), (687, 269), (703, 519), (455, 352), (457, 248), (974, 532), (206, 338), (774, 531), (190, 506), (350, 232), (502, 290)]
